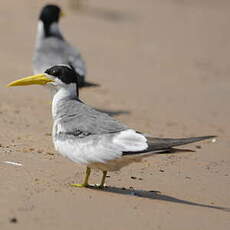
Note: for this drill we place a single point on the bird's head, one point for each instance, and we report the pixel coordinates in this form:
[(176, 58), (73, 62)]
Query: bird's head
[(57, 77), (50, 14), (48, 21)]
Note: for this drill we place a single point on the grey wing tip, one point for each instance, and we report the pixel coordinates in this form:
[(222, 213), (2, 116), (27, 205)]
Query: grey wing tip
[(189, 140), (205, 137), (166, 143)]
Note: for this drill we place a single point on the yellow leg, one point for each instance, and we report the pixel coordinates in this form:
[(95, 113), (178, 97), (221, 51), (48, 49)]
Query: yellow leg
[(103, 179), (85, 184)]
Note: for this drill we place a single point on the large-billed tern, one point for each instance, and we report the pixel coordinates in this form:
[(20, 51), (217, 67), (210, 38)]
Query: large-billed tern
[(51, 48), (92, 138)]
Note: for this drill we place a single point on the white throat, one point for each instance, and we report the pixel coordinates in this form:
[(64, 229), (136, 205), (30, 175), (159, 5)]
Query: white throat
[(63, 94)]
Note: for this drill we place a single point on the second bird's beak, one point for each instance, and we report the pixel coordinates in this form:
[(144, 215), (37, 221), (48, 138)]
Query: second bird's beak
[(62, 14), (39, 79)]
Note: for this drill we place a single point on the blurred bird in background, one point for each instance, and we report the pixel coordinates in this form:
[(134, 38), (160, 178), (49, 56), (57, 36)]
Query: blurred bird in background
[(51, 48)]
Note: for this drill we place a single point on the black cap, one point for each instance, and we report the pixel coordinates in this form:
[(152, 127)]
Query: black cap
[(66, 74), (50, 14)]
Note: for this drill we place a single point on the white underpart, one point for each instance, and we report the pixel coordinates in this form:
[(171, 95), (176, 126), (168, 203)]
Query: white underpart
[(85, 151)]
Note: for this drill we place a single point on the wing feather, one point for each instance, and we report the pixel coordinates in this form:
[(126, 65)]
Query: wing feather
[(75, 116)]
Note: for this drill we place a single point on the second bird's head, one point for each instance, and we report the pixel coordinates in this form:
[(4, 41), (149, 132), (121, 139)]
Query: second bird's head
[(50, 14), (57, 77)]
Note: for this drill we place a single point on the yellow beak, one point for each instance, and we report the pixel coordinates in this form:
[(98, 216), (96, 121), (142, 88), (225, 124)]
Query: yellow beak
[(39, 79)]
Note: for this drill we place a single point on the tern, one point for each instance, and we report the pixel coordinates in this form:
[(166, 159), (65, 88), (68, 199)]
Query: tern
[(51, 48), (89, 137)]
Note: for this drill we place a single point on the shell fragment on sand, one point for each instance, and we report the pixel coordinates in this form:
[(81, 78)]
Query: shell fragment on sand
[(12, 163)]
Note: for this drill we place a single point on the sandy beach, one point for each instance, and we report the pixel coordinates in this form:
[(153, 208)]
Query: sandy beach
[(164, 69)]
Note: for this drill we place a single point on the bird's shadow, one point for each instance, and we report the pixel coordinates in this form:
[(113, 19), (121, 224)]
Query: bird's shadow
[(88, 84), (113, 113), (155, 195)]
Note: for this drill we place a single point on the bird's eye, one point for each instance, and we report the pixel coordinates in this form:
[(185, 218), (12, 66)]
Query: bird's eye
[(54, 72)]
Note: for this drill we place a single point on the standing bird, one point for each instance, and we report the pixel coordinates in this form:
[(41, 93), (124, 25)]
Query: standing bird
[(52, 49), (92, 138)]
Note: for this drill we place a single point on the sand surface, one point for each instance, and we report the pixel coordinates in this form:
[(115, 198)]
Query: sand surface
[(164, 69)]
